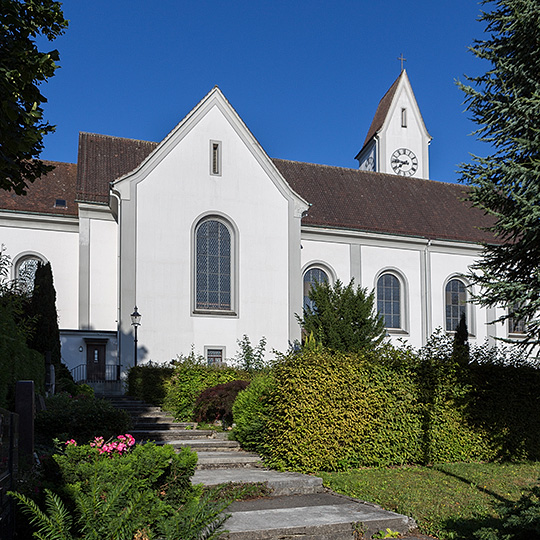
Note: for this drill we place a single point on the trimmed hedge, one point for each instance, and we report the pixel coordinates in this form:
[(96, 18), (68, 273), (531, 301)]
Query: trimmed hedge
[(191, 376), (332, 411), (17, 360), (80, 417), (149, 382)]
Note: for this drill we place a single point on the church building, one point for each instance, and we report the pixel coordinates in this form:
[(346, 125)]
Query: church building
[(210, 239)]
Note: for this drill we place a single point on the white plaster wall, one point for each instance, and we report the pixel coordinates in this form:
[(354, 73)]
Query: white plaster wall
[(334, 255), (61, 249), (169, 202), (103, 274), (406, 262)]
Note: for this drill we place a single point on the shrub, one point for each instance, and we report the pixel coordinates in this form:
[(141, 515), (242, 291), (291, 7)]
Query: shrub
[(216, 402), (79, 417), (191, 376), (149, 382), (248, 357), (141, 491), (17, 361), (250, 412), (330, 411)]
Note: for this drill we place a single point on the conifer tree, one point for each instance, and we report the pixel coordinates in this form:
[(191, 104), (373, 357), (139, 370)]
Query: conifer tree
[(46, 335), (505, 103), (460, 346), (343, 318)]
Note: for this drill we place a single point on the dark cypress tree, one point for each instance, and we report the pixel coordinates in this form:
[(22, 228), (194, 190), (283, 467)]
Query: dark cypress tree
[(505, 103), (343, 318), (460, 347), (46, 336)]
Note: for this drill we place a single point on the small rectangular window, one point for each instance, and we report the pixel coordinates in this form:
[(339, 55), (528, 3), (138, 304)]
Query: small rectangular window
[(214, 357), (215, 158), (60, 203), (403, 117)]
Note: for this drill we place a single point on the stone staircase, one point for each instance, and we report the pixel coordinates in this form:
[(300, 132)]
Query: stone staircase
[(299, 506)]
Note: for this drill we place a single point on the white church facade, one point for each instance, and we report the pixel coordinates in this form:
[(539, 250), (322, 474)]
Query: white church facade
[(211, 239)]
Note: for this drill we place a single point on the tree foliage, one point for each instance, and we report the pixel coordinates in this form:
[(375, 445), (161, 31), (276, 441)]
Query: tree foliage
[(342, 318), (46, 335), (22, 68), (505, 103)]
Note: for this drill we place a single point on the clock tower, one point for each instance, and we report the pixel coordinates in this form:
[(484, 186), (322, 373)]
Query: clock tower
[(397, 141)]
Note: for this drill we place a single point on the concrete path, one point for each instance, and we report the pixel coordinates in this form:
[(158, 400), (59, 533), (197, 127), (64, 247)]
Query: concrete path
[(299, 507)]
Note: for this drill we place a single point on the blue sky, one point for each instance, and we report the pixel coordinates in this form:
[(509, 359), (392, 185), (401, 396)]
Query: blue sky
[(306, 77)]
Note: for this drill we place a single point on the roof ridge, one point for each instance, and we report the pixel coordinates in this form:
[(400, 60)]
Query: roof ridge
[(116, 137)]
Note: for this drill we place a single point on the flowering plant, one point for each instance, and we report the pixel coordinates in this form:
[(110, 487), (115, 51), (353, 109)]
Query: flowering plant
[(119, 445)]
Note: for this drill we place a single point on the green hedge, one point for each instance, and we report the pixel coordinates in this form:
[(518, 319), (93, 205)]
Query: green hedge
[(149, 382), (191, 376), (17, 361), (81, 417)]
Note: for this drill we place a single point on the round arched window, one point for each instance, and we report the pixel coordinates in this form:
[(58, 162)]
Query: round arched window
[(26, 272), (312, 276)]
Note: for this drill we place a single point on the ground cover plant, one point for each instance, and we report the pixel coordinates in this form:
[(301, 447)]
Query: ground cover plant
[(458, 501)]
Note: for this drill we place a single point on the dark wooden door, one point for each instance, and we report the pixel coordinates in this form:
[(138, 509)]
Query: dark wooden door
[(95, 361)]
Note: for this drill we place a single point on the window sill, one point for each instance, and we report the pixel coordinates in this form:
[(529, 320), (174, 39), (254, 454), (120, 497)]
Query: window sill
[(215, 313), (397, 331)]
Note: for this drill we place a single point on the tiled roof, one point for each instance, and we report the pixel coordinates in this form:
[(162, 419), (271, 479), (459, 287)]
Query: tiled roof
[(103, 159), (340, 198), (385, 203), (382, 111), (46, 194)]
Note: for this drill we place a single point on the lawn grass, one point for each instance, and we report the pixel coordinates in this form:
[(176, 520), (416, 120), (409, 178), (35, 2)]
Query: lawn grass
[(450, 501)]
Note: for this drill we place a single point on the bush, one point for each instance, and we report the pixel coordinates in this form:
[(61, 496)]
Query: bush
[(250, 412), (149, 382), (191, 376), (330, 411), (17, 361), (216, 403), (79, 417), (119, 491)]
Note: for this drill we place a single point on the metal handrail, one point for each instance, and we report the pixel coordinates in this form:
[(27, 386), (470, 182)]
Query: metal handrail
[(111, 373)]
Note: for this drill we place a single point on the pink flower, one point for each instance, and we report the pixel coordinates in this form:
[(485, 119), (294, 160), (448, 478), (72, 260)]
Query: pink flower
[(72, 442)]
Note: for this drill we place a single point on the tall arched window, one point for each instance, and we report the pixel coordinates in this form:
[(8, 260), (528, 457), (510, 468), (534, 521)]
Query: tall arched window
[(213, 266), (456, 303), (312, 276), (25, 272), (389, 300)]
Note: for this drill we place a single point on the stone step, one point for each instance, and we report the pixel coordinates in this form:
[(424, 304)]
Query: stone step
[(206, 445), (281, 483), (163, 426), (160, 419), (166, 435), (231, 459), (320, 516)]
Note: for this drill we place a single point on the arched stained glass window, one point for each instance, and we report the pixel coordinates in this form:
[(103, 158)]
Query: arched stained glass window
[(389, 300), (312, 276), (213, 266), (456, 303), (26, 272)]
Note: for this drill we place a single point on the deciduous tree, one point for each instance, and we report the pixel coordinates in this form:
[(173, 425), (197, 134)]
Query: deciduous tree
[(22, 68)]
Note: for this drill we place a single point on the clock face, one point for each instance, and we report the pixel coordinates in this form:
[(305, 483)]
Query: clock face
[(404, 162)]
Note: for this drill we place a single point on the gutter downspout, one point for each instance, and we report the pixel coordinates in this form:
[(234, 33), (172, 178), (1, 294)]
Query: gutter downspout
[(427, 298), (116, 195)]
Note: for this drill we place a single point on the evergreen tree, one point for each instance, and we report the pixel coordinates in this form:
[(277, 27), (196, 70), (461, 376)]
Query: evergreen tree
[(460, 346), (505, 103), (46, 336), (343, 318)]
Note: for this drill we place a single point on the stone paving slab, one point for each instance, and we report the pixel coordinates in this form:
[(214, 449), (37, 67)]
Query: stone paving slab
[(319, 516), (281, 483)]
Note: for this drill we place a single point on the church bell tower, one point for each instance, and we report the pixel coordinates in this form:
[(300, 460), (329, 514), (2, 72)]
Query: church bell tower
[(397, 141)]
